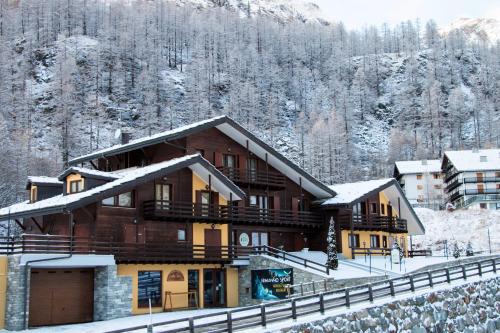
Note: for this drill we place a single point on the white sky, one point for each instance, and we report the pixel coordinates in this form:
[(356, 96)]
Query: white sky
[(357, 13)]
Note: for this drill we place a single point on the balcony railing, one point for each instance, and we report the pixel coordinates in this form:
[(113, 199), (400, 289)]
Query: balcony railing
[(375, 223), (470, 180), (481, 191), (256, 177), (226, 214), (453, 185)]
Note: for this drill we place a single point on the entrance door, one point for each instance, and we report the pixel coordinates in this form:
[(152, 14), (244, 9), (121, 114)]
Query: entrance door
[(61, 296), (214, 288), (213, 243)]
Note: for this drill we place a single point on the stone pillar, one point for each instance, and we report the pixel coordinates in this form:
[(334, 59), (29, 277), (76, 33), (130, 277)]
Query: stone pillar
[(112, 294), (14, 312)]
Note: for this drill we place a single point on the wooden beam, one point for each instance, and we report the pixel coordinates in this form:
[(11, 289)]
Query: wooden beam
[(20, 224), (37, 224), (93, 165)]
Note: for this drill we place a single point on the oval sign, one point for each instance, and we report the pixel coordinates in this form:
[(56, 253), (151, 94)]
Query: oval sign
[(244, 239)]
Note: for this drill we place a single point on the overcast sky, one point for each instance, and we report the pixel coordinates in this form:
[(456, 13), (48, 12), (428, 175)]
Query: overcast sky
[(357, 13)]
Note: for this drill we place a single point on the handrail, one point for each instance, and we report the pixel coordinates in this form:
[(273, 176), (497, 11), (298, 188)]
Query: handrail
[(254, 176), (360, 222), (292, 308)]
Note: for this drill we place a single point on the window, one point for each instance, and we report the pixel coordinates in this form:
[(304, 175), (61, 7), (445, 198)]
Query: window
[(420, 187), (121, 200), (260, 238), (497, 174), (436, 176), (75, 186), (437, 186), (498, 186), (229, 161), (382, 208), (163, 192), (373, 208), (356, 240), (419, 176), (374, 241), (483, 205), (149, 287), (181, 234)]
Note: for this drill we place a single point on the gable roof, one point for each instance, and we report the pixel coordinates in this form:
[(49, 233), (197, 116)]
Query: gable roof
[(236, 132), (351, 193), (89, 173), (421, 166), (125, 181), (470, 160), (43, 180)]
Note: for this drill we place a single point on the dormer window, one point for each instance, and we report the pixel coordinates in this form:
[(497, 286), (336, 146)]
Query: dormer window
[(483, 158), (75, 186)]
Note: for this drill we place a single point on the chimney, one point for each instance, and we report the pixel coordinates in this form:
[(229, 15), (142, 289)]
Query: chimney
[(125, 137)]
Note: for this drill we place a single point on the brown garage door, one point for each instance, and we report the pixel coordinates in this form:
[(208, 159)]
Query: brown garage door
[(61, 296)]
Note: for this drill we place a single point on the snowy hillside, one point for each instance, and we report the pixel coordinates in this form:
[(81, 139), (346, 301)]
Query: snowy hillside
[(459, 226), (487, 30)]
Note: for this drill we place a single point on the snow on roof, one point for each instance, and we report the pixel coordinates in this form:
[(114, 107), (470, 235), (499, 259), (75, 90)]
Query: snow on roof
[(143, 141), (44, 180), (62, 202), (89, 172), (421, 166), (349, 192), (475, 160)]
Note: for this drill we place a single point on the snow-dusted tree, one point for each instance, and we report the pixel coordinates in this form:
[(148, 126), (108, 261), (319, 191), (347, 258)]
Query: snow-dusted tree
[(332, 261), (469, 252), (456, 250)]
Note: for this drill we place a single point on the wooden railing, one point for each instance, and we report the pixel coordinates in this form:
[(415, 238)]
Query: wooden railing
[(226, 214), (332, 300), (375, 222), (261, 177)]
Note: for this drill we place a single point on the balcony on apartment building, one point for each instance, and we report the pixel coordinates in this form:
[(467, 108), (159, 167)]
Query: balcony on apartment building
[(196, 212), (254, 177), (473, 180), (373, 223)]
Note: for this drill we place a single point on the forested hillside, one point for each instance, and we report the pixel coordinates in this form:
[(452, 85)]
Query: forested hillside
[(342, 104)]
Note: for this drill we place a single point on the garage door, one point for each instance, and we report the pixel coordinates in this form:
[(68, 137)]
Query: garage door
[(61, 296)]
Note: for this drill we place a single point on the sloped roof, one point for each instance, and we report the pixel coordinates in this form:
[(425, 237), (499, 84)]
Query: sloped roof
[(125, 181), (89, 173), (421, 166), (236, 132), (350, 192), (43, 180), (470, 160)]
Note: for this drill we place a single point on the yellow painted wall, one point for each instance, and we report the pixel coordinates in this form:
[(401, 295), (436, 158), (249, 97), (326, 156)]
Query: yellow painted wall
[(200, 185), (384, 200), (179, 301), (199, 233), (33, 193), (364, 236), (3, 289), (74, 177)]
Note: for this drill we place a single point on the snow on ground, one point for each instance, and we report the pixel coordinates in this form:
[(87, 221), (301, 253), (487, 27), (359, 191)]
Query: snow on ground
[(459, 226)]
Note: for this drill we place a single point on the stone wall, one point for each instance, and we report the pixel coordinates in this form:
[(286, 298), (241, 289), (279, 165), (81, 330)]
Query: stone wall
[(470, 308), (14, 312), (112, 294), (299, 276)]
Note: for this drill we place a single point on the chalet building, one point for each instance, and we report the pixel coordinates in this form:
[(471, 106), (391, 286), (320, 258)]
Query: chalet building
[(372, 215), (422, 182), (472, 178), (172, 218)]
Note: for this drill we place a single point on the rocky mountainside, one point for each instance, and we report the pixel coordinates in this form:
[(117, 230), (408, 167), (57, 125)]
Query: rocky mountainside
[(481, 30), (342, 104)]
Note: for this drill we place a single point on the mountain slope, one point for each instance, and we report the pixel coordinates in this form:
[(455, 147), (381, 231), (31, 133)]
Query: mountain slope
[(479, 29)]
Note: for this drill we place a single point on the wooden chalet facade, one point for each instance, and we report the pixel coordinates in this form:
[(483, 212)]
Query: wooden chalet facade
[(175, 212)]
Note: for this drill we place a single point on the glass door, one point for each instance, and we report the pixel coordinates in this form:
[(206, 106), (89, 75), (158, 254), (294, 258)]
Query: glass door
[(214, 288)]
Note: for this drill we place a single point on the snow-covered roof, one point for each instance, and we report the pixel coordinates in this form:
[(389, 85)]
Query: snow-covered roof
[(126, 181), (44, 180), (89, 173), (236, 132), (350, 192), (474, 160), (422, 166)]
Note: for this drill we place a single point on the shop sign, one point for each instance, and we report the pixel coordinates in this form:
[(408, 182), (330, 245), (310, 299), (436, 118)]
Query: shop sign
[(271, 284), (175, 275)]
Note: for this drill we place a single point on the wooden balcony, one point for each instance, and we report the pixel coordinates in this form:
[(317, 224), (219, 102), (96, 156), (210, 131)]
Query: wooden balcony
[(373, 223), (254, 177), (171, 210), (161, 252)]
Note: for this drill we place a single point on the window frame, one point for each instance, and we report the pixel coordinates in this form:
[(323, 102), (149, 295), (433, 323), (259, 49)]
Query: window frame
[(373, 208), (356, 240), (116, 200), (79, 186), (179, 230), (372, 237), (158, 299)]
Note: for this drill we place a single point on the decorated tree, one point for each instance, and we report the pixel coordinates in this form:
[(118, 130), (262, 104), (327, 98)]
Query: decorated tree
[(469, 252), (332, 260), (456, 251)]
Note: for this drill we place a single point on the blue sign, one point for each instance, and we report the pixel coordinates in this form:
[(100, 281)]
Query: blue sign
[(270, 284)]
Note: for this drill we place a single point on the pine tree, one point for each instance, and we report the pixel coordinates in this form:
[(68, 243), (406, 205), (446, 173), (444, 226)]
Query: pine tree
[(332, 261), (456, 251), (469, 252)]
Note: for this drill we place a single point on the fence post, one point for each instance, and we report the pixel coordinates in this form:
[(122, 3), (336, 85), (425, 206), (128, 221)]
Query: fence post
[(493, 261), (302, 288), (314, 288), (448, 279), (431, 284), (391, 286), (263, 321), (464, 272), (326, 284), (191, 325), (479, 269), (321, 303), (288, 290), (370, 293), (412, 284), (229, 322), (347, 298), (327, 270), (294, 309)]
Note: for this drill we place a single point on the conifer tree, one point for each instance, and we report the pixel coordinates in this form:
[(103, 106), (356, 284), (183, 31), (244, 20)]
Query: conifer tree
[(332, 260)]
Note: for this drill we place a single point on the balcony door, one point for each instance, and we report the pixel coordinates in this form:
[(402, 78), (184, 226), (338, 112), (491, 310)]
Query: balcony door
[(163, 196), (229, 164), (252, 169), (207, 202), (213, 243), (480, 188), (479, 176)]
